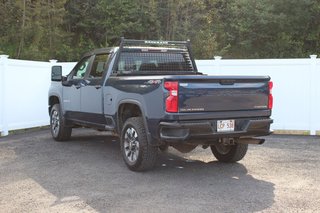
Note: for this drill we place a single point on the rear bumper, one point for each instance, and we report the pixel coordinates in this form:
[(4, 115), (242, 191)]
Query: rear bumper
[(189, 131)]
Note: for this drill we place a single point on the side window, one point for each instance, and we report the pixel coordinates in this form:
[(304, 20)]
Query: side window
[(99, 65), (81, 68)]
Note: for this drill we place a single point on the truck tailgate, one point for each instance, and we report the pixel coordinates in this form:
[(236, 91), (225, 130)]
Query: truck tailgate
[(223, 93)]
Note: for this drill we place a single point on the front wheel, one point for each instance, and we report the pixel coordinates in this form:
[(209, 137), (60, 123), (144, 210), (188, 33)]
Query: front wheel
[(59, 131), (229, 153), (137, 153)]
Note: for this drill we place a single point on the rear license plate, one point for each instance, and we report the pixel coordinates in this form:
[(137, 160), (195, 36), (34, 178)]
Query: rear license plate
[(225, 125)]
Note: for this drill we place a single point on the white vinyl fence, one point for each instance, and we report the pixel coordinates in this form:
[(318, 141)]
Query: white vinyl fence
[(24, 92), (24, 87), (296, 88)]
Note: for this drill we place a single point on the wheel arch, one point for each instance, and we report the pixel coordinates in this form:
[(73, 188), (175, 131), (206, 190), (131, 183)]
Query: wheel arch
[(137, 110), (53, 99), (128, 109)]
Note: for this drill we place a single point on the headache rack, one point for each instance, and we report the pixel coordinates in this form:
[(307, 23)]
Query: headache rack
[(156, 43), (127, 45)]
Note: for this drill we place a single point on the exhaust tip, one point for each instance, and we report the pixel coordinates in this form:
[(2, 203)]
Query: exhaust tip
[(251, 141)]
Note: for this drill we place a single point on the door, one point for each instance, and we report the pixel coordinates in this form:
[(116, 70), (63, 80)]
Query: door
[(91, 94), (71, 89)]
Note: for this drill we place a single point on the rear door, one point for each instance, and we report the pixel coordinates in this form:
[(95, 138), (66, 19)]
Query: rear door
[(91, 100)]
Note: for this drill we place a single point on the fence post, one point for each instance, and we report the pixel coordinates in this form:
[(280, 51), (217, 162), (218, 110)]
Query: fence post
[(53, 61), (3, 115), (217, 60), (313, 87)]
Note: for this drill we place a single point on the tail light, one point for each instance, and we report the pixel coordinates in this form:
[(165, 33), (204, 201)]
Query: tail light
[(172, 99), (270, 101)]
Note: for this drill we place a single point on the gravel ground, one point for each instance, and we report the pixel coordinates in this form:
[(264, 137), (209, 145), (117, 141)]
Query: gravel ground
[(87, 174)]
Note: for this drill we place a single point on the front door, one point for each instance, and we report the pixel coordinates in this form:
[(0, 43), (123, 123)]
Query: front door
[(71, 89)]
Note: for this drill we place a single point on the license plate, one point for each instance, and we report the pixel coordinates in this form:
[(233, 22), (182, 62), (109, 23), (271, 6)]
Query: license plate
[(225, 125)]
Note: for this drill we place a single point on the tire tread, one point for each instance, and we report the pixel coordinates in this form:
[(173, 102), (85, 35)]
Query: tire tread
[(148, 153), (64, 131)]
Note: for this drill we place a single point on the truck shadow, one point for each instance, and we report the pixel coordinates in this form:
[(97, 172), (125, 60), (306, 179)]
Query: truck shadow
[(90, 168)]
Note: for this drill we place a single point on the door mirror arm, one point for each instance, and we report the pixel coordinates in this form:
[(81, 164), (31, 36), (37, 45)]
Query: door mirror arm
[(65, 82)]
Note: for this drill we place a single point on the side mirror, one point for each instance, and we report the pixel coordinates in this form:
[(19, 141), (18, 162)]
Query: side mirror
[(56, 73)]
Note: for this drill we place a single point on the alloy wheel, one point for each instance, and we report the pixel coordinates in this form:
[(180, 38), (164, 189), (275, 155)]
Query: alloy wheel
[(131, 145)]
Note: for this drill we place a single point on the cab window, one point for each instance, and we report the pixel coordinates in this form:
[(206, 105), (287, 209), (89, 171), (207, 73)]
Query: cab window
[(99, 65), (81, 68)]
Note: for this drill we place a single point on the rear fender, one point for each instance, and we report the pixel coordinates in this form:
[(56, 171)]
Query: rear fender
[(151, 141)]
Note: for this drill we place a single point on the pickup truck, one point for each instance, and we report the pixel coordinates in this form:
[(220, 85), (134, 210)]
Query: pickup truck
[(151, 95)]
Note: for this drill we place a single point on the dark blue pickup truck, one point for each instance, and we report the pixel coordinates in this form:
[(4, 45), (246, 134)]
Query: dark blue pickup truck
[(151, 95)]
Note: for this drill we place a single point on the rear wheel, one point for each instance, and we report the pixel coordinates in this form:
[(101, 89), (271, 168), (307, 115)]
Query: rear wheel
[(59, 131), (229, 153), (137, 153)]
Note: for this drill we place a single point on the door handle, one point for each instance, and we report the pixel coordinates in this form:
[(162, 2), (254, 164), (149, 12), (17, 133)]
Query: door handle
[(97, 86), (78, 86), (227, 82)]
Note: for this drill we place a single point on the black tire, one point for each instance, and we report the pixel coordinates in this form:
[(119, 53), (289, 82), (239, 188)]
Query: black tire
[(59, 131), (137, 153), (229, 153)]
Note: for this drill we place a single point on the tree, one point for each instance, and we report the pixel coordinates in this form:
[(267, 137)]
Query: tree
[(65, 29), (9, 26), (264, 29)]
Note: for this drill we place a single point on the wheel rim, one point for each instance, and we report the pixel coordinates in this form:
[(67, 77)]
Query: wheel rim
[(131, 145), (55, 122), (223, 149)]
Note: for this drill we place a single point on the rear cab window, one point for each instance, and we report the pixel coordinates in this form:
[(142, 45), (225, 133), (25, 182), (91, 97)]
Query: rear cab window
[(153, 59)]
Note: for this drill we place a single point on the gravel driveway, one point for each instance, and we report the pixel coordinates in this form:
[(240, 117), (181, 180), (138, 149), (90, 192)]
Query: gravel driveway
[(87, 174)]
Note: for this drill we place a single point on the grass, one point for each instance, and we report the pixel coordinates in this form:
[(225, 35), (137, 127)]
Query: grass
[(21, 131)]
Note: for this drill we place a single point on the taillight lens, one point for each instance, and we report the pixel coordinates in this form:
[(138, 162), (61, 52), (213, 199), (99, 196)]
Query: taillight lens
[(270, 101), (172, 99)]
